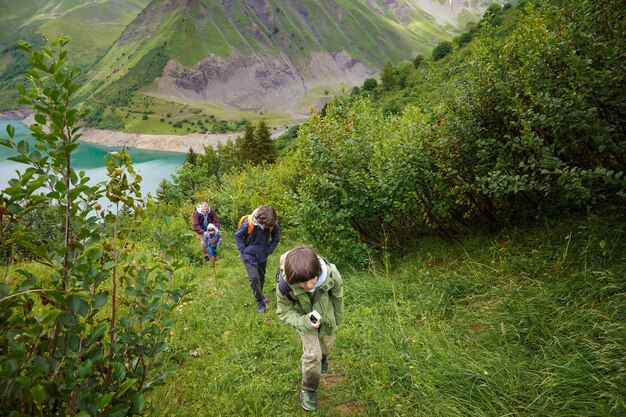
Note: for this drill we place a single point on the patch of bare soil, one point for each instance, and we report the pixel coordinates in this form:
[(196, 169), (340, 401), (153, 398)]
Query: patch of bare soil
[(351, 408), (330, 380)]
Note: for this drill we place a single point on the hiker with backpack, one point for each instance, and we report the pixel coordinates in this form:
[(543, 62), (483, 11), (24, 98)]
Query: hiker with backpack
[(256, 238), (202, 216), (309, 296)]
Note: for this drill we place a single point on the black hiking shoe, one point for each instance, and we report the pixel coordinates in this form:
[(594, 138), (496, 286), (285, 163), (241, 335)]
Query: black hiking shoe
[(324, 369), (308, 400)]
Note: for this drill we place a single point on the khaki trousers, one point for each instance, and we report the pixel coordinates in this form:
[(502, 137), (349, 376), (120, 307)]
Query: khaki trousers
[(313, 348)]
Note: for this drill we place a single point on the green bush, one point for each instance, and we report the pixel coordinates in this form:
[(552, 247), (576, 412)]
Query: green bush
[(82, 333), (441, 50), (536, 120), (362, 179)]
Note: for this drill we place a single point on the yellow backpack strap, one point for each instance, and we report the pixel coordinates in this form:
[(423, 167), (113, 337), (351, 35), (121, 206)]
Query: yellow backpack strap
[(240, 221), (250, 224)]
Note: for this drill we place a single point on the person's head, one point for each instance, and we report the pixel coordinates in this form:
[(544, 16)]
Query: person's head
[(204, 206), (302, 267), (210, 228), (266, 216)]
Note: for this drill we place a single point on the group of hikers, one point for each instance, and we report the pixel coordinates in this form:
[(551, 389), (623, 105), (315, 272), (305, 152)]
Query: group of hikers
[(309, 289)]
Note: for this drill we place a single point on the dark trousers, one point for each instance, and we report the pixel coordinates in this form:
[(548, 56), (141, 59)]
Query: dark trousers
[(256, 276)]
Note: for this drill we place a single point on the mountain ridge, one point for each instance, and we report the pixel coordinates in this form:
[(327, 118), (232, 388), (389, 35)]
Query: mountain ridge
[(263, 55)]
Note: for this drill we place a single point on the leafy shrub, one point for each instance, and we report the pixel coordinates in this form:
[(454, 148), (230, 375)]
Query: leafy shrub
[(441, 50), (519, 134), (66, 345), (370, 84), (361, 179)]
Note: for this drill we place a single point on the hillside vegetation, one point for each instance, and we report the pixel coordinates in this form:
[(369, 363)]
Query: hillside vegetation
[(526, 120), (477, 217), (529, 321)]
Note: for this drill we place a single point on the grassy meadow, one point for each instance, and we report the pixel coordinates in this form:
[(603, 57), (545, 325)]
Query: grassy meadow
[(526, 322), (153, 114)]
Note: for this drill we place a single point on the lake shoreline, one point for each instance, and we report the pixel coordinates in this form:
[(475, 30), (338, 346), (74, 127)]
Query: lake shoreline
[(143, 141), (153, 142)]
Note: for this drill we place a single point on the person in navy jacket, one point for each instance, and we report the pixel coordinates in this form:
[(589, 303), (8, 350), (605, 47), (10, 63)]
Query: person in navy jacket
[(255, 243)]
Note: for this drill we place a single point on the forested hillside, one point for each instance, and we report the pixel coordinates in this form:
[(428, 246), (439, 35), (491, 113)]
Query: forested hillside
[(472, 199)]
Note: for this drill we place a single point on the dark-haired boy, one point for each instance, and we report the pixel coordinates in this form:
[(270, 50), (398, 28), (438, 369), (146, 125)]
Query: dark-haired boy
[(310, 298), (255, 246)]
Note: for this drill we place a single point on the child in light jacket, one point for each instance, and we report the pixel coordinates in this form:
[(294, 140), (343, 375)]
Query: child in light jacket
[(210, 240), (310, 298)]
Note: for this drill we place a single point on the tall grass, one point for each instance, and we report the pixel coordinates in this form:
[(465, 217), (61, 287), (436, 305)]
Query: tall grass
[(526, 322)]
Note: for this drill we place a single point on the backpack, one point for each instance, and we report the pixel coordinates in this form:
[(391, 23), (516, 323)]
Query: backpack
[(284, 287), (250, 224)]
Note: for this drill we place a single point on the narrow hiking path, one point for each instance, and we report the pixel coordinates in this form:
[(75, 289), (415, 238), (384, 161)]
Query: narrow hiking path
[(507, 324)]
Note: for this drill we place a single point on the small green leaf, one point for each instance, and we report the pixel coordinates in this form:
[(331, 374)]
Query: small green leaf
[(97, 333), (10, 131), (119, 372), (139, 403), (105, 400), (119, 410), (47, 318), (109, 265), (10, 368), (39, 394), (77, 304), (22, 146), (100, 300), (126, 385), (83, 414), (84, 369), (40, 118)]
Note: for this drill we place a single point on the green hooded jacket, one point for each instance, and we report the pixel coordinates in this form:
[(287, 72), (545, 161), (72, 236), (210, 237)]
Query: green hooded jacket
[(327, 300)]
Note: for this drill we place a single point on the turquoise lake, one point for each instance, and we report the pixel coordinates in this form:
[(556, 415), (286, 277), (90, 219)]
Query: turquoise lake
[(153, 166)]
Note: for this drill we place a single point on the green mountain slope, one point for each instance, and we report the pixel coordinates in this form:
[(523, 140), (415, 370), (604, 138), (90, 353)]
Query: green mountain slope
[(250, 56), (260, 55), (91, 25)]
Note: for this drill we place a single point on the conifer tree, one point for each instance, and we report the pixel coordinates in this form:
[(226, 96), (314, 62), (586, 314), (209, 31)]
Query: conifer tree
[(192, 156), (212, 161), (417, 61), (266, 150), (246, 144), (388, 76)]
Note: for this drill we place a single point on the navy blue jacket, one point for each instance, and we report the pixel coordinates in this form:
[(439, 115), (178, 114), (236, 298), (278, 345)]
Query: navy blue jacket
[(256, 247)]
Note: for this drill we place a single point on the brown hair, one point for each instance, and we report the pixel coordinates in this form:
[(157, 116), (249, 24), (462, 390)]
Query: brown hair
[(301, 264), (266, 215)]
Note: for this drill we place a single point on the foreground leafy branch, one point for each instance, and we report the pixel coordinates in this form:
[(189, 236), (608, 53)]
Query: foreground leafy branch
[(56, 358)]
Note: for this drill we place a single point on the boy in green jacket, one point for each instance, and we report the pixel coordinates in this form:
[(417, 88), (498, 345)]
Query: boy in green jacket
[(310, 298)]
